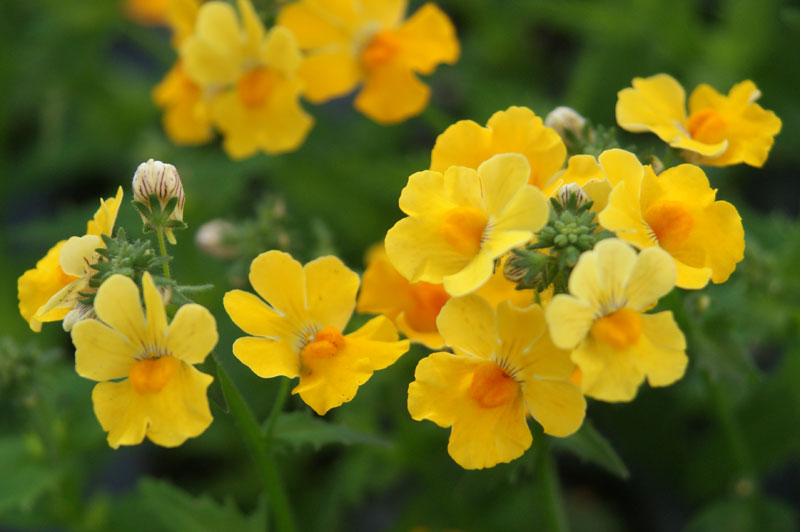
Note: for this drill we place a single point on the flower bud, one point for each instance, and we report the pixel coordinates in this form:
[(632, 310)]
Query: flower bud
[(581, 197), (214, 238), (162, 180), (564, 119), (514, 270)]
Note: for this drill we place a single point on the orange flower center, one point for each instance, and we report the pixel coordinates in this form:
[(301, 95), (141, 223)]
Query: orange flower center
[(150, 375), (254, 86), (428, 301), (707, 125), (326, 343), (670, 222), (463, 228), (620, 329), (491, 387), (380, 50)]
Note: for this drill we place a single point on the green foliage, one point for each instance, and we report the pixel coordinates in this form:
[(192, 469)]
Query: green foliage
[(26, 474), (298, 429), (593, 447)]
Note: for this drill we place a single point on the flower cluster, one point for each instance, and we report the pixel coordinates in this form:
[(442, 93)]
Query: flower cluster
[(246, 81)]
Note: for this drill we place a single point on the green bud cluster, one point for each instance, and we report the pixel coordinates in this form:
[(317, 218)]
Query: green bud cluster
[(570, 231)]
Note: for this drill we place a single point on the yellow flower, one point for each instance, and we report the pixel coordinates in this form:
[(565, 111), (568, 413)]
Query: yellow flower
[(298, 331), (186, 114), (368, 42), (615, 344), (49, 291), (719, 130), (503, 365), (459, 222), (147, 383), (150, 12), (413, 307), (515, 130), (676, 211), (252, 74)]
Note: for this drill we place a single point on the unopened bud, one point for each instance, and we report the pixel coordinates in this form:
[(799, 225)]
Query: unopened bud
[(161, 180), (213, 238), (564, 119), (80, 312), (513, 269), (656, 164), (570, 189)]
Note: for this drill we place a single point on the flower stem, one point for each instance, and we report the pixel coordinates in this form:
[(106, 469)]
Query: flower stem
[(162, 246), (549, 488), (277, 407), (251, 434)]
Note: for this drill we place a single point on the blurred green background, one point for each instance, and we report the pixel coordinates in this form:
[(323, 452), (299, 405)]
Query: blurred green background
[(720, 450)]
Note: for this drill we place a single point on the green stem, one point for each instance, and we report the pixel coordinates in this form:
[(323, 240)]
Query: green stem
[(546, 479), (251, 434), (162, 246), (277, 407)]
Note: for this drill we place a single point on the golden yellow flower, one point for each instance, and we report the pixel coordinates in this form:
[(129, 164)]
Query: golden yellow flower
[(367, 42), (298, 332), (186, 115), (718, 131), (147, 382), (49, 291), (515, 130), (413, 307), (459, 222), (615, 344), (503, 365), (676, 211), (252, 75)]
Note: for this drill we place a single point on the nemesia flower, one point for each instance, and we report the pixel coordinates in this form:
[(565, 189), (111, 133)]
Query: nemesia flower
[(50, 291), (503, 365), (413, 307), (364, 42), (515, 130), (147, 382), (461, 221), (718, 131), (676, 211), (615, 345), (298, 332), (251, 74)]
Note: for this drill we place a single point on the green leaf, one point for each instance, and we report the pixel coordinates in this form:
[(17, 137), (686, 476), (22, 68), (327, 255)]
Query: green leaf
[(299, 428), (744, 515), (593, 447), (25, 478), (175, 509)]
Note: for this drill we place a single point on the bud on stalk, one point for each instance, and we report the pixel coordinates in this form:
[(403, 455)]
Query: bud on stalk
[(157, 181)]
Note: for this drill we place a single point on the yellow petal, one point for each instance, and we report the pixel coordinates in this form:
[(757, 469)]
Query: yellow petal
[(192, 334), (378, 339), (545, 360), (464, 143), (334, 380), (652, 277), (63, 300), (439, 389), (430, 339), (330, 291), (432, 194), (267, 358), (685, 183), (663, 357), (609, 374), (155, 314), (519, 130), (117, 304), (103, 220), (615, 260), (36, 286), (119, 412), (558, 406), (502, 177), (280, 280), (392, 94), (212, 55), (383, 289), (468, 323), (280, 51), (498, 289), (685, 142), (253, 28), (483, 437), (255, 317), (581, 169), (218, 24), (418, 250), (620, 165), (569, 320), (691, 278), (101, 354), (389, 13), (328, 74), (517, 330), (720, 227), (313, 25), (475, 273), (428, 38), (623, 215), (180, 410), (654, 104), (78, 254), (527, 211)]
